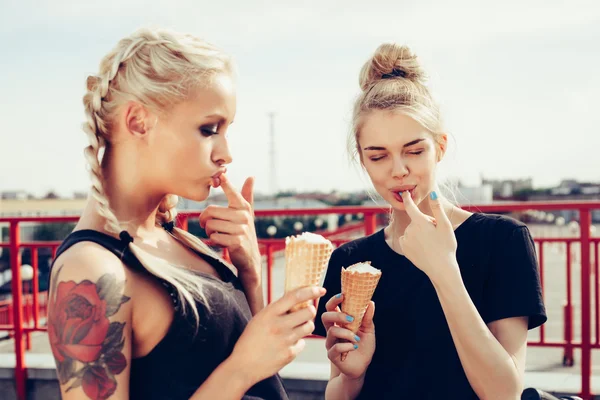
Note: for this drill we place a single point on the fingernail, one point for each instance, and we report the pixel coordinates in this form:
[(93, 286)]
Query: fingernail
[(433, 195), (337, 296), (349, 318), (355, 346), (356, 338)]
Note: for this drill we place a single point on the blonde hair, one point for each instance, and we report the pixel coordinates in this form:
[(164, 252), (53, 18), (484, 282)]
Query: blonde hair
[(393, 80), (158, 69)]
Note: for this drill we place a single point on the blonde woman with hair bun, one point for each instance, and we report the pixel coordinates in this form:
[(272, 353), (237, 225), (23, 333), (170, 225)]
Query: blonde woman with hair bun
[(458, 290), (140, 309)]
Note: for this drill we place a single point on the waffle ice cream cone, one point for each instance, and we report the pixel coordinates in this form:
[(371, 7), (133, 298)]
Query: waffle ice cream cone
[(306, 258), (358, 285)]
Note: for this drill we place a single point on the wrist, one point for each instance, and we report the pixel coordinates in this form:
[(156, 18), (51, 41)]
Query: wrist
[(449, 280), (252, 273), (237, 374), (352, 380), (250, 279)]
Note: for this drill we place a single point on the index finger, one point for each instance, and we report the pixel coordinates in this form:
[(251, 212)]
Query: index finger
[(300, 295), (234, 197), (333, 302), (411, 208)]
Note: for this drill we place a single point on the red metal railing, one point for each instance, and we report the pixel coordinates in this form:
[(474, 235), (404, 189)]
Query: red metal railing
[(23, 314)]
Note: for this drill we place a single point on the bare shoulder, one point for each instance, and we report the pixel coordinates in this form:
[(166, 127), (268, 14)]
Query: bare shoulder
[(458, 216), (87, 260)]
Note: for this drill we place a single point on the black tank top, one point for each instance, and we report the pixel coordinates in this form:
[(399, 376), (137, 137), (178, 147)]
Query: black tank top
[(185, 357)]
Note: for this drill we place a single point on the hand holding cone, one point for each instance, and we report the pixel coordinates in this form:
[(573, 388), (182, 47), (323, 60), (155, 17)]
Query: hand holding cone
[(358, 285)]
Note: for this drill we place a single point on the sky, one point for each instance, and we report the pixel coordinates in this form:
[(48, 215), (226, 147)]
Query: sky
[(517, 82)]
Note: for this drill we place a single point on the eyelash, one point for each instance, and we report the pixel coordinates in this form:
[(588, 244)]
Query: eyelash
[(414, 153), (209, 132)]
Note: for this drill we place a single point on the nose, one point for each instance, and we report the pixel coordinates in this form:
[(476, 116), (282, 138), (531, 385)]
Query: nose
[(221, 154), (399, 168)]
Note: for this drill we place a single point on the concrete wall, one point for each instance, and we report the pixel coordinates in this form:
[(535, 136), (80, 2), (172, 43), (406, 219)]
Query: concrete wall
[(43, 385)]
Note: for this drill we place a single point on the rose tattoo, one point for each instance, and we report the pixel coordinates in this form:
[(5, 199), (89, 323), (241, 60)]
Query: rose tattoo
[(86, 345)]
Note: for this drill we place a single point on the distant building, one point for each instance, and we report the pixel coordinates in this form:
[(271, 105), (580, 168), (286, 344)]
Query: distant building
[(573, 188), (483, 194), (41, 207), (569, 184), (291, 202), (570, 191), (80, 195), (14, 195), (508, 188)]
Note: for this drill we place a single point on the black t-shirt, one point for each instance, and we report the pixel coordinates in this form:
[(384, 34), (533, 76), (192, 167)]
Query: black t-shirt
[(415, 357)]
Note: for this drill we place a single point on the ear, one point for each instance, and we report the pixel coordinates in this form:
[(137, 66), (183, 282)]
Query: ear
[(442, 143), (137, 119)]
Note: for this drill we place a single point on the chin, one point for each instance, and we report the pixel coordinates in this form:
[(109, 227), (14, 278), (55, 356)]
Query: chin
[(199, 194)]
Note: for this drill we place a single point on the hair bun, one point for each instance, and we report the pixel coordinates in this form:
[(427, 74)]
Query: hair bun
[(391, 61)]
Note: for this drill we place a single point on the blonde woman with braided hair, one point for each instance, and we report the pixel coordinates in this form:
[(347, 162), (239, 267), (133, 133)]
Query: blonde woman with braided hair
[(458, 290), (139, 308)]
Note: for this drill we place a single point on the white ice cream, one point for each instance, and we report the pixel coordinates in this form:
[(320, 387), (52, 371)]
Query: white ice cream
[(363, 268), (309, 237)]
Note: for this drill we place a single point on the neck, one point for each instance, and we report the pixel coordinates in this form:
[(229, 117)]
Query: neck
[(131, 198)]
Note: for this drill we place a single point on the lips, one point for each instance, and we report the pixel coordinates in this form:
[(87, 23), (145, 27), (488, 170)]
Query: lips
[(397, 192), (216, 178)]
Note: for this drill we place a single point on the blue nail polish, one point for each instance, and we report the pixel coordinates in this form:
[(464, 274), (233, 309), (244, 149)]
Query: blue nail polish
[(337, 296), (356, 338), (355, 346), (433, 195), (349, 318)]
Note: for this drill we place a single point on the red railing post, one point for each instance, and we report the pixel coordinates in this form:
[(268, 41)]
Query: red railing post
[(27, 314), (370, 224), (36, 288), (11, 316), (596, 295), (541, 261), (184, 223), (586, 348), (17, 297), (568, 359), (269, 272)]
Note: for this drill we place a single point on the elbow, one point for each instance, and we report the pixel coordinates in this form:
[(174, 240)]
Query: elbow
[(506, 394), (510, 388), (515, 389)]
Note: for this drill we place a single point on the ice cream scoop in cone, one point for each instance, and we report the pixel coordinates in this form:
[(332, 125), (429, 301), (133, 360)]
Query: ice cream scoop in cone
[(358, 285), (306, 258)]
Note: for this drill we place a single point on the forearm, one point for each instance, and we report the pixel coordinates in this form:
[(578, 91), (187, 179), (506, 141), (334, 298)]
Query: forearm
[(341, 387), (491, 371), (226, 382), (253, 290)]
